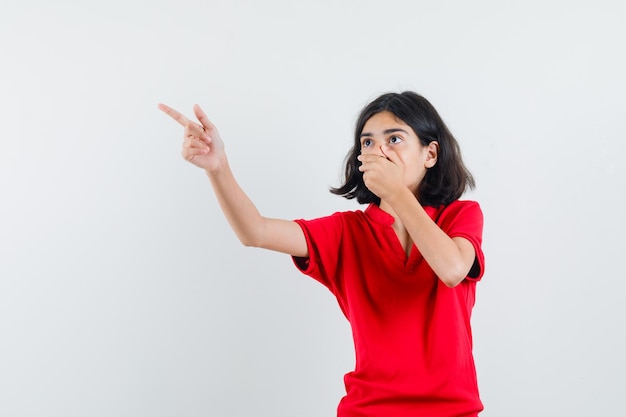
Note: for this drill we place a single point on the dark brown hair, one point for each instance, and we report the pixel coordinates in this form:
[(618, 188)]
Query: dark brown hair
[(445, 182)]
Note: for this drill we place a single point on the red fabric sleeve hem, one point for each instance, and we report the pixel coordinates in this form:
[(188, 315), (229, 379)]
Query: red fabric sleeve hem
[(305, 265), (480, 257)]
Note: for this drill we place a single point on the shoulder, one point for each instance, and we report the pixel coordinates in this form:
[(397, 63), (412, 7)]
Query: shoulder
[(459, 204), (458, 207), (461, 213), (335, 221), (325, 234), (337, 216)]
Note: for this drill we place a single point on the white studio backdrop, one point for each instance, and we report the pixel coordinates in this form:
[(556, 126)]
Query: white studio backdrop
[(123, 291)]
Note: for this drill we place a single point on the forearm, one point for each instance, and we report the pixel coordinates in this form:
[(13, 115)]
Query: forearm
[(239, 210), (450, 258), (249, 225)]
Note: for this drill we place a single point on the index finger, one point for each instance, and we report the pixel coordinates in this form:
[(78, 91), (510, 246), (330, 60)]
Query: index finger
[(179, 117), (368, 157), (390, 154)]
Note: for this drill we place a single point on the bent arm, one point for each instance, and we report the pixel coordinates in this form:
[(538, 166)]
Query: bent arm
[(251, 228), (450, 258)]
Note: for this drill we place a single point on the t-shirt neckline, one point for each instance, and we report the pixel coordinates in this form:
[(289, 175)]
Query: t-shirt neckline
[(375, 213)]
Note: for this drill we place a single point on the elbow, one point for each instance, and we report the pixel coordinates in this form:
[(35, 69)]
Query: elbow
[(249, 241), (451, 282), (453, 277), (251, 236)]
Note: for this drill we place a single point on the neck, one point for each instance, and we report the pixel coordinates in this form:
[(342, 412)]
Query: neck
[(386, 207), (403, 235)]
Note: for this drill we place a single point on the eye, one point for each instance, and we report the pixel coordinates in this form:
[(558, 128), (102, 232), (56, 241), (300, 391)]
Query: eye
[(365, 143), (395, 139)]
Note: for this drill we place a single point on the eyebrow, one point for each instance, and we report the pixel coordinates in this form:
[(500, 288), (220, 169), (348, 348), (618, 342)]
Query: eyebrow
[(386, 132)]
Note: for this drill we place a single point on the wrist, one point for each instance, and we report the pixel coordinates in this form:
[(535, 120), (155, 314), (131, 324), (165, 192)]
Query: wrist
[(399, 196), (218, 168)]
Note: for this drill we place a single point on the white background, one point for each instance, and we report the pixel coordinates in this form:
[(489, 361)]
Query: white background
[(123, 291)]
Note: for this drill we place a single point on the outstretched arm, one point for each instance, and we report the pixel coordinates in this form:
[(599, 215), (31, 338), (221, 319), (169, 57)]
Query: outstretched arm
[(203, 147)]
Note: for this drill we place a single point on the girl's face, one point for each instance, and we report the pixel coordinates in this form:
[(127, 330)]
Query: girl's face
[(384, 134)]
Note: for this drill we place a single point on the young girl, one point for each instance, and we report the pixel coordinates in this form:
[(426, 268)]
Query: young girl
[(404, 271)]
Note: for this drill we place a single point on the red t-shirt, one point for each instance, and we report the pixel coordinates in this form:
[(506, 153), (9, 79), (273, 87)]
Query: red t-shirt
[(412, 334)]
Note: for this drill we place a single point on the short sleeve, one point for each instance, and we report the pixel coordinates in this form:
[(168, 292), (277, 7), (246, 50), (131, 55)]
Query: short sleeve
[(465, 219), (323, 237)]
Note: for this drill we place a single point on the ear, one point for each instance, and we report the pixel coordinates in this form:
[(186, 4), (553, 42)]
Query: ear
[(432, 152)]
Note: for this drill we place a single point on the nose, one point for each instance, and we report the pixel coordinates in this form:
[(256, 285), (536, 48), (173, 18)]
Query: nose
[(374, 150)]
